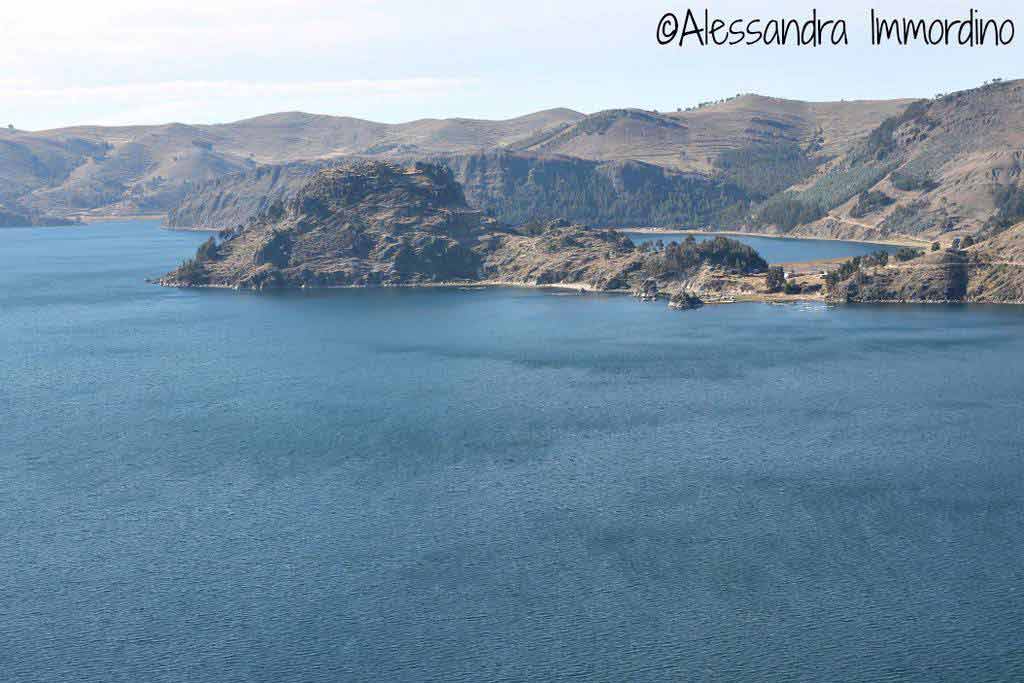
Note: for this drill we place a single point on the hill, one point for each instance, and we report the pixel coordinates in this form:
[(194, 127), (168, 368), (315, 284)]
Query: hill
[(942, 169), (149, 169), (929, 170), (696, 140), (93, 170)]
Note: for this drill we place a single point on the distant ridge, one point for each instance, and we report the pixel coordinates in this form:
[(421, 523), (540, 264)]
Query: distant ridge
[(925, 169)]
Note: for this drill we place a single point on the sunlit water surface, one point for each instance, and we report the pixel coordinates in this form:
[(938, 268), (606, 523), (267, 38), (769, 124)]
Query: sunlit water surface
[(498, 484)]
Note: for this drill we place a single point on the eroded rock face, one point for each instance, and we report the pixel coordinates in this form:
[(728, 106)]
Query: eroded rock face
[(684, 301), (363, 223), (648, 290)]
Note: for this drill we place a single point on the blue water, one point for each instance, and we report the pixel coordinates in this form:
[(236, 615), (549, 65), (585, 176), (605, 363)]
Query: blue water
[(218, 486), (780, 249)]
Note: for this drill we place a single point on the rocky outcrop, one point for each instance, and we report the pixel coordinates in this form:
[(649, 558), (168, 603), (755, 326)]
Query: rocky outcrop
[(647, 290), (684, 301), (362, 223)]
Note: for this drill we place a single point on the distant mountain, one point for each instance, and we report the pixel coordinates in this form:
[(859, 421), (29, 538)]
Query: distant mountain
[(617, 168), (695, 140), (149, 169), (928, 169)]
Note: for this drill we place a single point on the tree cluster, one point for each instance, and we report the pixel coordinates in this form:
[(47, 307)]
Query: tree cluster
[(763, 170), (720, 252), (787, 212), (908, 254), (775, 279)]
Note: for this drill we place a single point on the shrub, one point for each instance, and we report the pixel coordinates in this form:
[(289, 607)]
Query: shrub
[(870, 202), (908, 182), (908, 254), (207, 251), (875, 258), (1009, 201)]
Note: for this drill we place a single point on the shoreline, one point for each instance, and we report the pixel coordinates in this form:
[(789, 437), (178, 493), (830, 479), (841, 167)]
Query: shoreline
[(578, 287), (447, 284), (903, 242), (178, 228), (774, 299), (111, 218)]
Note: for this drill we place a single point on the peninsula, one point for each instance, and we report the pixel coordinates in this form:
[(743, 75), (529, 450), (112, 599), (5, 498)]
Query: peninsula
[(375, 223)]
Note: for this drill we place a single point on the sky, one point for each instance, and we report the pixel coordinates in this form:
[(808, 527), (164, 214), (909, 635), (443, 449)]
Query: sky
[(119, 62)]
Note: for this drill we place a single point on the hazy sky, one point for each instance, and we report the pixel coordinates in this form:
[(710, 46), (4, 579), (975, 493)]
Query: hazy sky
[(132, 61)]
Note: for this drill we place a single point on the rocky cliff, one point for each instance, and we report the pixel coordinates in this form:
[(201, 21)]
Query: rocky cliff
[(513, 187), (231, 200)]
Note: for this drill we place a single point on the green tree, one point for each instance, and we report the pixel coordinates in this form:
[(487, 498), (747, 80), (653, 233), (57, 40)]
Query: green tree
[(935, 246), (775, 279)]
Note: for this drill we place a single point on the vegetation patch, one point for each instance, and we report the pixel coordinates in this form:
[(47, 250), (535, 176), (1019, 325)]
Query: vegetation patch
[(1009, 201), (721, 252), (869, 202), (910, 182), (764, 170)]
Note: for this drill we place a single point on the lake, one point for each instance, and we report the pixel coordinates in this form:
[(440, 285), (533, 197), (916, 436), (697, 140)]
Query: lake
[(498, 484), (779, 249)]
